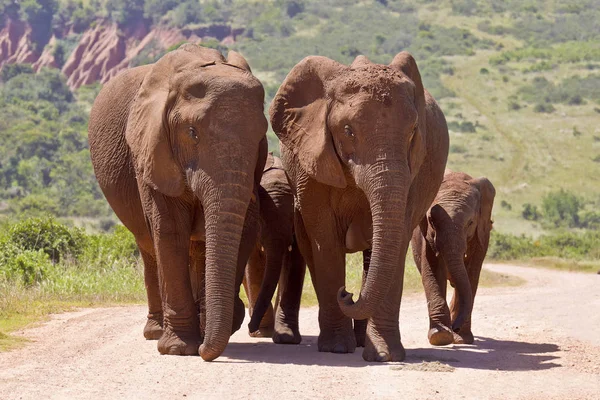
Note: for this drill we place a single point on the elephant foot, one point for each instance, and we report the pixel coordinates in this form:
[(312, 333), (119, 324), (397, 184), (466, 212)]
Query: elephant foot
[(178, 344), (337, 341), (154, 327), (464, 337), (239, 312), (287, 334), (360, 331), (263, 331), (266, 328), (382, 351), (440, 335)]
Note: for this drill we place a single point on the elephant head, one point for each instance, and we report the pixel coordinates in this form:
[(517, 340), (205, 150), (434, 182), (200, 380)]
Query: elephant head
[(460, 218), (362, 125), (196, 130)]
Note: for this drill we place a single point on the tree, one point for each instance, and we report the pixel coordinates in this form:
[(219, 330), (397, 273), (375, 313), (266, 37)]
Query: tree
[(561, 208), (39, 14)]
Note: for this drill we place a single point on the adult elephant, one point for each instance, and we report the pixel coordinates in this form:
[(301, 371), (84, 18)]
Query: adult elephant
[(451, 242), (365, 148), (178, 148), (275, 260)]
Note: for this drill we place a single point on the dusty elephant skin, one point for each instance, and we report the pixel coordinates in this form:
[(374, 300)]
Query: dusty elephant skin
[(365, 148), (451, 242), (275, 260), (178, 148)]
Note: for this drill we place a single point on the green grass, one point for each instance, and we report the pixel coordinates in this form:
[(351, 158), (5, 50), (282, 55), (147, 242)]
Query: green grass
[(563, 264), (67, 288)]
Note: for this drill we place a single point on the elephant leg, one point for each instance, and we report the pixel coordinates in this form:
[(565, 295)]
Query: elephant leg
[(473, 265), (433, 277), (154, 324), (337, 334), (291, 281), (360, 326), (383, 330), (181, 334), (247, 245), (198, 281), (253, 277)]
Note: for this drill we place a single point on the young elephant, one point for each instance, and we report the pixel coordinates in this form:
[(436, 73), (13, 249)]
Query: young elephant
[(178, 148), (365, 148), (276, 259), (451, 242)]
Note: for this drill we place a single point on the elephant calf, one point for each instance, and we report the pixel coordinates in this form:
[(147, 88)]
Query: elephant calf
[(276, 258), (450, 243)]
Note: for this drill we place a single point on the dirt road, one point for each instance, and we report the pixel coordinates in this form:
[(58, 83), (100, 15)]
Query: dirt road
[(537, 341)]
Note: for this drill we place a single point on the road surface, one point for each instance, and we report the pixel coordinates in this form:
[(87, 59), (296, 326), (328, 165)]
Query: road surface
[(537, 341)]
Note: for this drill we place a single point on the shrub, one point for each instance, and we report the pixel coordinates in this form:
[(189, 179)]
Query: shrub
[(530, 212), (513, 105), (544, 108), (562, 244), (561, 208), (506, 205), (29, 266), (465, 126), (457, 149), (46, 234)]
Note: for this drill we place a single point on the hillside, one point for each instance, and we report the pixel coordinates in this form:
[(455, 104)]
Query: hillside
[(519, 82)]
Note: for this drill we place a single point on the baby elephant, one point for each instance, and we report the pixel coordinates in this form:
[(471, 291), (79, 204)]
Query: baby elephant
[(451, 242), (275, 260)]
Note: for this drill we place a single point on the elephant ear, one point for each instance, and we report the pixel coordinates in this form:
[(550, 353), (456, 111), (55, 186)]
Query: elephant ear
[(487, 193), (147, 132), (435, 219), (360, 61), (299, 118), (235, 59), (406, 64)]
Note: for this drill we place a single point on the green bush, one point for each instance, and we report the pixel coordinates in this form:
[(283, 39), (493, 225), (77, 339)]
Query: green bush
[(544, 108), (530, 212), (561, 208), (579, 246), (465, 126), (46, 234), (29, 267), (458, 149)]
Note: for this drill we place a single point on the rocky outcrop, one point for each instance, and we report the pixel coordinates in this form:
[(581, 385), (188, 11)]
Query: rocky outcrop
[(15, 44), (47, 58), (104, 50), (98, 52)]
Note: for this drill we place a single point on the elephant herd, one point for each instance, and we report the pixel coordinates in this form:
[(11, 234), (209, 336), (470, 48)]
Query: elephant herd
[(179, 149)]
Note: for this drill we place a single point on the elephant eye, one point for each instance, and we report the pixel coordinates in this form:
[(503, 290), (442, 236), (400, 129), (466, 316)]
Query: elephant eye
[(348, 131), (192, 133)]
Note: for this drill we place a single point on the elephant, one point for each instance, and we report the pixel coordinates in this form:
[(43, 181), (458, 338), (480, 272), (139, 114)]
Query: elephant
[(365, 147), (178, 148), (276, 259), (451, 243)]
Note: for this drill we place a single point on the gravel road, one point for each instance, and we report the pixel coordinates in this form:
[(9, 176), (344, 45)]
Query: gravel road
[(537, 341)]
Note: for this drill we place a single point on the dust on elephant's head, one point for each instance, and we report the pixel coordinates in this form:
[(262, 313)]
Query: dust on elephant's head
[(337, 117), (196, 111)]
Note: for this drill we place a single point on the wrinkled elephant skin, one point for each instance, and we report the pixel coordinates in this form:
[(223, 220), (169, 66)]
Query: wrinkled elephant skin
[(451, 243), (178, 148), (365, 148)]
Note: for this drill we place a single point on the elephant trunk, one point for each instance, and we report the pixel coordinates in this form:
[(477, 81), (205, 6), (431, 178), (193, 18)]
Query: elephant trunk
[(386, 187), (224, 225), (276, 256), (458, 273)]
